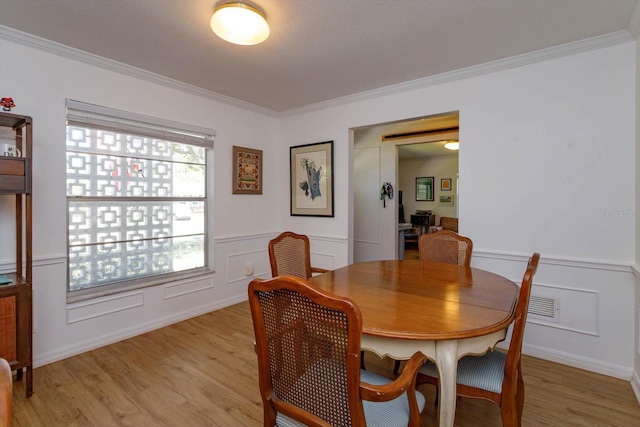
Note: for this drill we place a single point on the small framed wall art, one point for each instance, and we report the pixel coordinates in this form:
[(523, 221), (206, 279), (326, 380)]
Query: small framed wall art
[(311, 172), (247, 171), (445, 184), (446, 201)]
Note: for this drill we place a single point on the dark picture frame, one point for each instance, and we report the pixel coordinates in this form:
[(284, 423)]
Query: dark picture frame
[(247, 171), (311, 179), (424, 189), (445, 184)]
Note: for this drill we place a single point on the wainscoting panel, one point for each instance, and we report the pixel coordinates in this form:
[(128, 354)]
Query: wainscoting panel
[(247, 265), (578, 308), (597, 307), (186, 287), (102, 306), (326, 261)]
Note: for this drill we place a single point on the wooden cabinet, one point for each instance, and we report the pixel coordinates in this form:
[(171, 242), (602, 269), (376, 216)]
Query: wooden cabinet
[(16, 330)]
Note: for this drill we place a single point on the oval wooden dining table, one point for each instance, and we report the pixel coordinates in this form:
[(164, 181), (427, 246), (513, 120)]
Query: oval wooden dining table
[(443, 310)]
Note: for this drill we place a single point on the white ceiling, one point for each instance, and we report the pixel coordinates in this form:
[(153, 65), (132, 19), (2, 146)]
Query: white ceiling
[(318, 49)]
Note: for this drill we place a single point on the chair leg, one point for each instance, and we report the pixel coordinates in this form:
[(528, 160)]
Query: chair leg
[(520, 395), (396, 367), (509, 412)]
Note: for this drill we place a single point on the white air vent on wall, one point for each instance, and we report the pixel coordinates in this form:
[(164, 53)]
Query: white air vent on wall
[(544, 308)]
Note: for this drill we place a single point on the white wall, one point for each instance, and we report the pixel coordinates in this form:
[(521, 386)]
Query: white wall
[(39, 82), (548, 155), (635, 382)]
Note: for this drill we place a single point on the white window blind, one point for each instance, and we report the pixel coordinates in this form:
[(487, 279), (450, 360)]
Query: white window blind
[(109, 119)]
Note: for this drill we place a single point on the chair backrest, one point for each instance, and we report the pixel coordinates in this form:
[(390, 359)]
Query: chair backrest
[(517, 333), (308, 346), (448, 223), (290, 254), (6, 393), (445, 246)]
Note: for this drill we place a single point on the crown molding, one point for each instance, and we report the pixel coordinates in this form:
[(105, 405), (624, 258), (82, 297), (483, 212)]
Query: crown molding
[(48, 46), (634, 22), (611, 39), (635, 268)]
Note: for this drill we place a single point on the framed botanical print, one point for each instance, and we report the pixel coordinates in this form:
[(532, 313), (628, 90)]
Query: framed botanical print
[(311, 174)]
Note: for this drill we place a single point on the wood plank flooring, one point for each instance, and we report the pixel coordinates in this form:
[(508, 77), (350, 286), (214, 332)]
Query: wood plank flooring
[(202, 372)]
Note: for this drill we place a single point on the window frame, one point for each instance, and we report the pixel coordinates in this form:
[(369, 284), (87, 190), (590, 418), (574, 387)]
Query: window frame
[(92, 116)]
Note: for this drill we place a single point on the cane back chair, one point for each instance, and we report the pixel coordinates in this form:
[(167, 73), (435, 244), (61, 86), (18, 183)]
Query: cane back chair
[(445, 246), (496, 375), (290, 254), (308, 347)]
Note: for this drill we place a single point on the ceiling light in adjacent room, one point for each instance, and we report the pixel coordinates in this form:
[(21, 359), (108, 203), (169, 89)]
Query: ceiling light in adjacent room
[(452, 145), (240, 23)]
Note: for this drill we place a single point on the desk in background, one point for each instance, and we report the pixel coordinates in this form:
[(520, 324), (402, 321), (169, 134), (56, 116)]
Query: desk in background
[(402, 227), (423, 221)]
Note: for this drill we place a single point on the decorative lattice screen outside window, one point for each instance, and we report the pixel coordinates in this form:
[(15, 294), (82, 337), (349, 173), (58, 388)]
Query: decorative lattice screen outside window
[(137, 200)]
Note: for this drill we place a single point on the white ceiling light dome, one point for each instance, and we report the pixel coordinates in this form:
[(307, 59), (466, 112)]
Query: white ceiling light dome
[(452, 145), (240, 23)]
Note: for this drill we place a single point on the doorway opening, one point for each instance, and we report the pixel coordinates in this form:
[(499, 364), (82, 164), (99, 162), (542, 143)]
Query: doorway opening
[(415, 150)]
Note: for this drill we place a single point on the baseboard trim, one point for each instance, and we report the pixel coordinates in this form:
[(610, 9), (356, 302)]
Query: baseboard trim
[(587, 364), (635, 385)]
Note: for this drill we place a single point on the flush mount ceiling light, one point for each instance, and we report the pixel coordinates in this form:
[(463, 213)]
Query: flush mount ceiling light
[(452, 145), (240, 23)]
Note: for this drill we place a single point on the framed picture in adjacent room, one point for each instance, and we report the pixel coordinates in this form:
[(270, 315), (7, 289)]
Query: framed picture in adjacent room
[(424, 189), (311, 173), (446, 201), (445, 184), (247, 171)]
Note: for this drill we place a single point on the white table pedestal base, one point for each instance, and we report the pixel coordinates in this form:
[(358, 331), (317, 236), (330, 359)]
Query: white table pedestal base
[(445, 354)]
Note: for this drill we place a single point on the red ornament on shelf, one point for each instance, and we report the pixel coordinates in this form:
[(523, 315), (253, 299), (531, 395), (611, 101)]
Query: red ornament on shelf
[(7, 104)]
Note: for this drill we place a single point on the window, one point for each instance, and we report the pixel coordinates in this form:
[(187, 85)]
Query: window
[(136, 198)]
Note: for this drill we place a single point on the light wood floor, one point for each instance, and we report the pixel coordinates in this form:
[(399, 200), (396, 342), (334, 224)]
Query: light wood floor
[(202, 372), (411, 253)]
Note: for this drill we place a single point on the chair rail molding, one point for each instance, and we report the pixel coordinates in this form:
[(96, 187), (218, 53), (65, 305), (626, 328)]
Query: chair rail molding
[(560, 261)]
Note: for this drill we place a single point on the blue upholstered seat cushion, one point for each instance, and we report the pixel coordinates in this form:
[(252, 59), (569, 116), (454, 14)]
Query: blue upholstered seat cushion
[(485, 372), (394, 413)]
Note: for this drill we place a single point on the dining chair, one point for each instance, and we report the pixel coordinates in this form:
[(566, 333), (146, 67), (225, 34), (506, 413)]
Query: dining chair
[(496, 375), (445, 246), (308, 347), (411, 237), (290, 254), (6, 393)]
